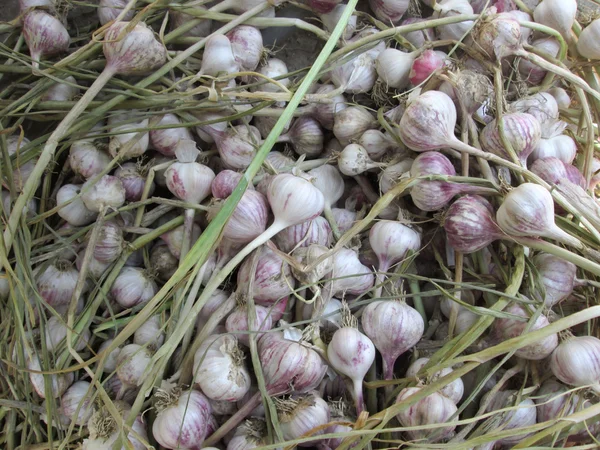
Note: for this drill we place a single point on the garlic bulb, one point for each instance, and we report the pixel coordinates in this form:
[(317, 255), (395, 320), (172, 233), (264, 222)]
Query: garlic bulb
[(449, 8), (56, 282), (150, 333), (110, 362), (75, 213), (62, 91), (133, 287), (509, 328), (76, 403), (576, 361), (133, 178), (433, 409), (251, 434), (107, 192), (557, 14), (218, 58), (187, 179), (453, 390), (132, 362), (183, 419), (165, 140), (562, 147), (392, 241), (553, 401), (350, 123), (56, 331), (123, 136), (389, 10), (247, 46), (556, 275), (238, 325), (356, 76), (520, 415), (58, 382), (273, 68), (105, 430), (314, 231), (349, 275), (300, 416), (394, 67), (45, 36), (587, 44), (521, 130), (87, 159), (219, 369), (200, 30), (110, 9)]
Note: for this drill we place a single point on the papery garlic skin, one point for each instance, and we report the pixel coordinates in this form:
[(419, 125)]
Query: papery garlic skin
[(200, 30), (576, 361), (587, 44), (165, 140), (123, 137), (556, 275), (110, 9), (110, 362), (183, 423), (349, 275), (87, 159), (62, 92), (56, 283), (314, 231), (433, 409), (453, 390), (247, 46), (238, 325), (392, 241), (521, 415), (557, 14), (219, 369), (105, 430)]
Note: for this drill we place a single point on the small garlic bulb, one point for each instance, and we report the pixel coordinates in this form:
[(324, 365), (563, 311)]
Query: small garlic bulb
[(56, 282), (557, 14), (219, 369), (150, 333), (86, 159), (453, 390), (62, 91), (123, 136), (110, 363), (521, 415), (576, 361), (58, 382), (110, 9), (132, 362), (75, 213), (302, 416), (133, 287), (76, 403), (107, 192), (56, 331), (238, 325), (105, 430), (587, 45), (187, 179), (45, 36), (349, 275), (350, 124), (433, 409), (165, 140)]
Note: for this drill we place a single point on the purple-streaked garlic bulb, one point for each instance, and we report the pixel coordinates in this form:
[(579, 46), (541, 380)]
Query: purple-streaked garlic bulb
[(343, 218), (301, 416), (349, 275), (528, 210), (314, 231), (133, 286), (403, 327), (132, 362), (21, 170), (504, 329), (56, 282), (248, 220), (470, 224), (151, 333), (543, 107), (109, 243), (272, 279), (219, 369), (499, 36), (174, 238), (431, 195), (107, 192), (247, 46), (576, 361), (186, 179), (165, 140), (305, 136), (521, 130), (553, 401), (325, 112), (86, 159), (124, 136), (356, 76), (133, 177), (563, 147), (288, 365), (75, 213), (433, 409), (557, 277), (237, 323), (453, 390), (183, 418), (225, 182), (425, 65), (237, 146), (45, 35), (251, 434), (392, 241), (532, 73), (389, 10), (553, 171), (351, 353), (76, 403)]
